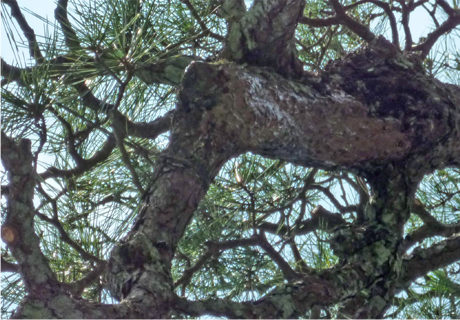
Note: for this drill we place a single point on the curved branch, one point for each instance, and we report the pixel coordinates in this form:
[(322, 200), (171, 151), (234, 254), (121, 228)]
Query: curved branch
[(302, 295), (213, 250), (77, 287), (64, 236), (86, 164), (147, 130), (286, 269), (431, 228), (451, 23), (337, 19), (437, 256), (358, 28)]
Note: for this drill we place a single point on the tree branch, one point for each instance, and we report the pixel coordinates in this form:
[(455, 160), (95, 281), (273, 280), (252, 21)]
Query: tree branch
[(8, 266), (34, 49), (213, 250), (86, 165), (263, 41), (431, 228), (77, 287), (322, 219), (452, 21), (18, 228), (422, 261), (358, 28), (71, 39)]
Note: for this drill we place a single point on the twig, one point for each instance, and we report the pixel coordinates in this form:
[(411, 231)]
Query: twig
[(86, 165), (63, 234), (119, 136)]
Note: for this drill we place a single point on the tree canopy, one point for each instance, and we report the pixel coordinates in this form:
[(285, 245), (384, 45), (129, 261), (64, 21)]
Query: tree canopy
[(238, 159)]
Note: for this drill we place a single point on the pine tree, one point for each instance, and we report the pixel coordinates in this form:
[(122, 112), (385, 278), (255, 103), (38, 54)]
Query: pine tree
[(274, 159)]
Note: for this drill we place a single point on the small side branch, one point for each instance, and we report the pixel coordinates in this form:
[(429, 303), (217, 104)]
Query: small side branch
[(86, 165)]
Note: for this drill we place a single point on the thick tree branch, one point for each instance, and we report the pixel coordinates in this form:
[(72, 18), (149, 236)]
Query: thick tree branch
[(302, 296), (264, 35)]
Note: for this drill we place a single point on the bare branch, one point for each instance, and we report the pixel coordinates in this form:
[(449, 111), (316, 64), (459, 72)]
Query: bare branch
[(87, 164), (148, 130), (358, 28), (127, 161), (213, 250), (337, 19), (63, 234), (407, 8), (432, 13), (286, 269), (320, 22), (77, 287), (322, 219), (431, 228), (447, 26), (439, 255), (200, 21)]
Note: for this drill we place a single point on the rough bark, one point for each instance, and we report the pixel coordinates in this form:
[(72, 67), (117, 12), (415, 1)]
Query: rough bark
[(230, 109), (375, 113)]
